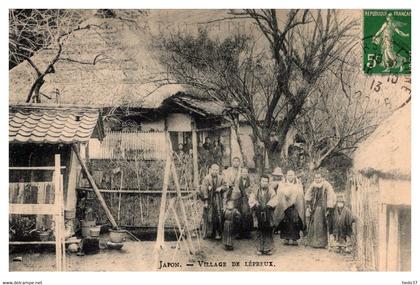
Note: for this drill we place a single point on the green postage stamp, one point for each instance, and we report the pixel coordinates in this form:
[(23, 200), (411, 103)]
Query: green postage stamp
[(387, 41)]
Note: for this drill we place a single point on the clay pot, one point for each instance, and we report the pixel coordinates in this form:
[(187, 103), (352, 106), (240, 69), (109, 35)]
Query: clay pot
[(116, 236), (94, 231), (86, 225)]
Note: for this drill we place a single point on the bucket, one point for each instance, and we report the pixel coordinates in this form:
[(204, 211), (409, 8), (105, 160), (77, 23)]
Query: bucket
[(86, 225), (69, 214), (116, 236)]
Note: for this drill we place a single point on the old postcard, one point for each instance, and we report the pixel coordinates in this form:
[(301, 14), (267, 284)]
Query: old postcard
[(210, 140)]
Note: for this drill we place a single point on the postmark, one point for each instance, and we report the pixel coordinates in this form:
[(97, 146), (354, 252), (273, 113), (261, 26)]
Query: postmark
[(387, 41)]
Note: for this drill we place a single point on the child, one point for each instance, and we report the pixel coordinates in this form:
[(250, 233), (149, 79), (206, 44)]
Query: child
[(231, 217), (343, 221)]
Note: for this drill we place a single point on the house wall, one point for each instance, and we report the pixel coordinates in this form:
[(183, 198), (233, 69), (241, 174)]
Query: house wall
[(178, 122), (383, 220), (157, 126), (394, 242), (395, 192)]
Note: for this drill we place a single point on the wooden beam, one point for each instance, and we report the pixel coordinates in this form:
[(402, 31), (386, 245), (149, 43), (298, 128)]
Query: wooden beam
[(134, 191), (41, 242), (32, 209), (95, 188), (52, 168)]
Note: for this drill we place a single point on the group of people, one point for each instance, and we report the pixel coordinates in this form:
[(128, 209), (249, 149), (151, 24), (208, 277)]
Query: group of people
[(212, 151), (277, 204)]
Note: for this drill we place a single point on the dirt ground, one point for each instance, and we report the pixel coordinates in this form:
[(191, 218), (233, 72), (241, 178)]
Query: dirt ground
[(140, 256)]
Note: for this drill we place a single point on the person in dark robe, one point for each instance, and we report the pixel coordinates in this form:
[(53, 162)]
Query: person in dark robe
[(343, 221), (207, 145), (289, 212), (240, 199), (218, 151), (262, 201), (320, 201), (231, 219), (212, 189)]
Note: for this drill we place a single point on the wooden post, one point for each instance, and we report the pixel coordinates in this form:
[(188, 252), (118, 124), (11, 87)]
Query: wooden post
[(393, 258), (62, 224), (57, 216), (382, 237), (195, 155), (161, 225), (71, 199), (95, 188)]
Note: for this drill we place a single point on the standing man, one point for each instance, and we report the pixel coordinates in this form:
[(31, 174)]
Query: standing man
[(343, 223), (277, 179), (240, 199), (262, 201), (289, 213), (320, 201), (233, 173), (207, 144), (212, 189)]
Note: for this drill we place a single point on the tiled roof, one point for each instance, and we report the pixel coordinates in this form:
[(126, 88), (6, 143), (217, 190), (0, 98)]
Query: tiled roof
[(53, 124)]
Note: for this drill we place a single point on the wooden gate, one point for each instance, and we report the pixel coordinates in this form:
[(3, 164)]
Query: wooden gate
[(55, 209)]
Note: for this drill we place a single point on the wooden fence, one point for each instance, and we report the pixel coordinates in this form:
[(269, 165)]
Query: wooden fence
[(364, 201), (117, 145)]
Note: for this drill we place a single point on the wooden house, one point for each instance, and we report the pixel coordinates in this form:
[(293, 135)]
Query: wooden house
[(44, 161), (380, 195)]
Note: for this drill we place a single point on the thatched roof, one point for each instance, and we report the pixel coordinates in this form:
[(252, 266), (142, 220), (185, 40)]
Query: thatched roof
[(126, 65), (387, 152), (122, 75), (197, 104)]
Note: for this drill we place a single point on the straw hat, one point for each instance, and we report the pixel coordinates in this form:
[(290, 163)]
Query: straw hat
[(277, 172)]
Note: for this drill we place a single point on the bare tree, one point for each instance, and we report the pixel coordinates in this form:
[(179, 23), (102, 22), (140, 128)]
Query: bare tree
[(266, 84), (333, 123), (49, 31), (44, 30)]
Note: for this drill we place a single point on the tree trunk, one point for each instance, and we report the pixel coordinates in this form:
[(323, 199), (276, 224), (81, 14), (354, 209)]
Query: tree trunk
[(259, 150), (238, 138), (35, 90)]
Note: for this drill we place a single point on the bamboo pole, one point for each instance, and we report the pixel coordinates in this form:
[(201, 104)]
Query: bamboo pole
[(178, 189), (188, 250), (95, 188), (119, 196)]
